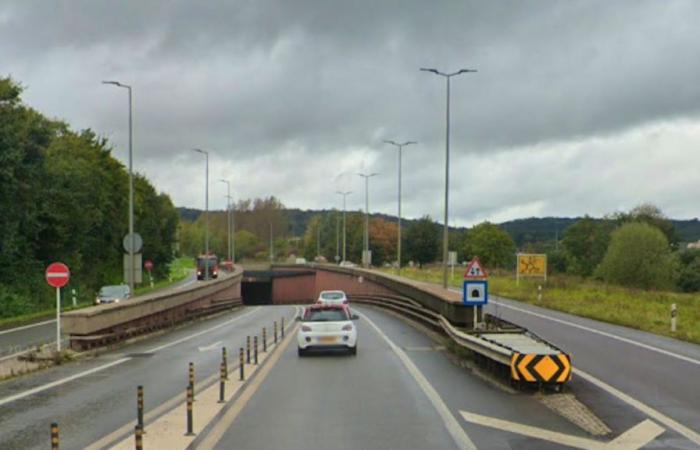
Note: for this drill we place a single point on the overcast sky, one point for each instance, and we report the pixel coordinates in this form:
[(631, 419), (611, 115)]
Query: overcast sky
[(577, 107)]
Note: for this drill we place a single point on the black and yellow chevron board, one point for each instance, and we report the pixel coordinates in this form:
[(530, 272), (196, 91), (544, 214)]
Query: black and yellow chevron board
[(534, 368)]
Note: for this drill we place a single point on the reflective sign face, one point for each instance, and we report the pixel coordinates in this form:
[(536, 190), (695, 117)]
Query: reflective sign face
[(475, 292), (532, 265)]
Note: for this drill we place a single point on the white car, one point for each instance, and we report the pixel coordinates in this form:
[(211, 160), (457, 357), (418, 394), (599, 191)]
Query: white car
[(332, 298), (327, 327)]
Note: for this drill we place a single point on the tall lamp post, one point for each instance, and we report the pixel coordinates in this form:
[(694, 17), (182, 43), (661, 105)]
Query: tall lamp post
[(366, 176), (344, 194), (206, 211), (398, 243), (132, 268), (447, 77), (228, 214)]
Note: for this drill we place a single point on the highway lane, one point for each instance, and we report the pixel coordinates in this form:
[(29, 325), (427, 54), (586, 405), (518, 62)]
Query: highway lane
[(94, 405), (19, 339), (372, 401)]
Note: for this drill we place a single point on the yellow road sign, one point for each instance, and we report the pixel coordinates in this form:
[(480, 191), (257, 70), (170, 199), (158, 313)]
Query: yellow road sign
[(532, 265)]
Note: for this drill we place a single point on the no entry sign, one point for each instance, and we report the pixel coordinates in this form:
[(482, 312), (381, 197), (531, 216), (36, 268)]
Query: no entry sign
[(57, 275)]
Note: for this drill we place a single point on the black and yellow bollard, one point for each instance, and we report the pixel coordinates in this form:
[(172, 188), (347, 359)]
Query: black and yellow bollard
[(190, 378), (255, 349), (224, 361), (190, 419), (222, 382), (138, 437), (264, 335), (274, 328), (282, 328), (247, 349), (241, 364), (54, 436), (139, 407)]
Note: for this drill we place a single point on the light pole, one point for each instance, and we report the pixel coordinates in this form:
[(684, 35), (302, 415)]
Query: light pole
[(366, 176), (447, 77), (344, 194), (228, 216), (272, 243), (132, 268), (398, 243), (206, 212)]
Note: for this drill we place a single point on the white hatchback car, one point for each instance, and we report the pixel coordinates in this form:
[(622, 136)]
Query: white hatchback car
[(332, 298), (327, 327)]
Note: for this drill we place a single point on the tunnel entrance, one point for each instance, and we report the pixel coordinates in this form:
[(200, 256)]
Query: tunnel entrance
[(256, 288)]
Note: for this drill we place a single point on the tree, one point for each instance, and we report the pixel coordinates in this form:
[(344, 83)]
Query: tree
[(422, 241), (585, 243), (651, 214), (639, 256), (382, 240), (689, 275), (493, 246)]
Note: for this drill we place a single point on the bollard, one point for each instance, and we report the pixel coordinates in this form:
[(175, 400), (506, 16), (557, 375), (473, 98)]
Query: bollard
[(241, 364), (539, 293), (138, 437), (222, 381), (190, 421), (191, 378), (264, 340), (282, 328), (224, 361), (54, 436), (255, 349), (674, 315), (75, 299), (275, 330), (247, 349), (139, 407)]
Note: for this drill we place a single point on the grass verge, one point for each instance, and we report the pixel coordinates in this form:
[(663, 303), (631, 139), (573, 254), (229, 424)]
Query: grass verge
[(642, 310)]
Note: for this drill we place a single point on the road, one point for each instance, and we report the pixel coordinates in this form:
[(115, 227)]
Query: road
[(16, 340)]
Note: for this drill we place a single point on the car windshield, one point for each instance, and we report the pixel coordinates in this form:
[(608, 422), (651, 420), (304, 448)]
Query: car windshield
[(113, 291), (325, 315), (332, 296)]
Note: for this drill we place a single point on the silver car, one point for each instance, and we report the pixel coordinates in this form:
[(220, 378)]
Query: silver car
[(113, 294)]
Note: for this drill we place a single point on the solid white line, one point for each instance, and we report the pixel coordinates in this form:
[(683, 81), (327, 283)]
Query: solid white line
[(25, 327), (604, 333), (44, 387), (14, 355), (644, 408), (199, 333), (453, 427)]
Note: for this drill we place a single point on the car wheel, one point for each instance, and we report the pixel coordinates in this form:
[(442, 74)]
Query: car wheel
[(353, 350), (301, 351)]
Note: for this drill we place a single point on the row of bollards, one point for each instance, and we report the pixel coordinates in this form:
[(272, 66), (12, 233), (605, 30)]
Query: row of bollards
[(244, 357)]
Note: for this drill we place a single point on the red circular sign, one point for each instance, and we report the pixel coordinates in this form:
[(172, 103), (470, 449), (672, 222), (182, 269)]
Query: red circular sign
[(57, 275), (148, 264)]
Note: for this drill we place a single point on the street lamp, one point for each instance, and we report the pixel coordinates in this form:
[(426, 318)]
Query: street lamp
[(228, 212), (206, 211), (132, 264), (365, 253), (447, 77), (398, 244), (344, 194)]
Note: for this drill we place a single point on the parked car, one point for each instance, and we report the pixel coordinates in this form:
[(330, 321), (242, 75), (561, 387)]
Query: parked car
[(113, 294), (327, 327), (332, 298)]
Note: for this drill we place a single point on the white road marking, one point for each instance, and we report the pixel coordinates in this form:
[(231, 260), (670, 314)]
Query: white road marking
[(53, 384), (207, 348), (644, 408), (453, 427), (26, 327), (633, 439)]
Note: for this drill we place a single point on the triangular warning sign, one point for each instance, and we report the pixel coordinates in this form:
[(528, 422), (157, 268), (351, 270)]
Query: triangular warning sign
[(475, 270)]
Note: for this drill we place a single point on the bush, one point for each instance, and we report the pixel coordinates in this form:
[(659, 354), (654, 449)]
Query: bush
[(639, 256)]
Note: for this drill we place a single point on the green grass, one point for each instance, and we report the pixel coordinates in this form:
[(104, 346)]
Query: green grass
[(642, 310), (180, 269)]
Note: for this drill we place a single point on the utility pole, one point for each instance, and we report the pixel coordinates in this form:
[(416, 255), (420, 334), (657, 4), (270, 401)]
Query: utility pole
[(272, 243), (228, 215), (365, 253), (344, 194), (398, 243), (447, 77), (206, 212)]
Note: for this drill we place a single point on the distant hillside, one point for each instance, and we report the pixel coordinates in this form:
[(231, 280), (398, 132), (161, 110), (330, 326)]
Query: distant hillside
[(523, 231)]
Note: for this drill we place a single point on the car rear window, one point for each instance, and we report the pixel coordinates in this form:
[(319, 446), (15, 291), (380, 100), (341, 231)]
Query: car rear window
[(332, 295), (325, 315)]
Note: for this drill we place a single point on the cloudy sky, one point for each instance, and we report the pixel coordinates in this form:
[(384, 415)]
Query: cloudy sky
[(577, 106)]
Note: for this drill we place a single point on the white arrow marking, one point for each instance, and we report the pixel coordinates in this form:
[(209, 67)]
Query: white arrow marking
[(632, 439), (216, 344)]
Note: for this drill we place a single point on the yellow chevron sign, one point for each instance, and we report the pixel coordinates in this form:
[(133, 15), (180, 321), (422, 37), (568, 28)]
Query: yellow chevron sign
[(534, 368)]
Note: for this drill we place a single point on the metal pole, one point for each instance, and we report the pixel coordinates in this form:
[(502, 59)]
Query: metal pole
[(206, 218), (272, 251), (318, 238), (337, 239), (58, 319), (398, 243), (228, 216), (365, 259), (233, 233), (447, 190), (131, 200)]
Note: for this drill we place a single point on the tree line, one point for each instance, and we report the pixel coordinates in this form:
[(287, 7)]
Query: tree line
[(64, 198)]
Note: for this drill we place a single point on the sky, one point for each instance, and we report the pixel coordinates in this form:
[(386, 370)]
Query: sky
[(577, 107)]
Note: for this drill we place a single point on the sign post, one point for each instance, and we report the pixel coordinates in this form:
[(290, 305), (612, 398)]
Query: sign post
[(57, 276), (149, 266), (452, 256)]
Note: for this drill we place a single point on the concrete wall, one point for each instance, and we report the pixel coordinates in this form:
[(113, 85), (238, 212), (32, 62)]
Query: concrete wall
[(294, 289)]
